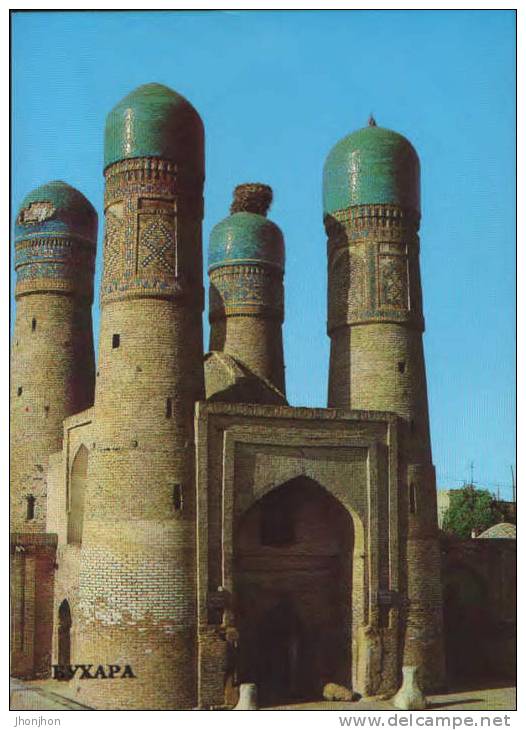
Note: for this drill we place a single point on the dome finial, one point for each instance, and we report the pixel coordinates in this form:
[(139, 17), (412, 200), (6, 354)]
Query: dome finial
[(251, 198), (371, 121)]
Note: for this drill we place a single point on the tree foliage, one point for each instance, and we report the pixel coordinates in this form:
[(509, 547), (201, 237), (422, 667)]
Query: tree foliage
[(471, 509)]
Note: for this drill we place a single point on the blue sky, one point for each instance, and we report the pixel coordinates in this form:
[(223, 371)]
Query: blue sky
[(276, 91)]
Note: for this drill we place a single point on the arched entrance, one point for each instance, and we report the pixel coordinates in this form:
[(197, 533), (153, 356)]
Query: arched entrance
[(64, 634), (293, 585)]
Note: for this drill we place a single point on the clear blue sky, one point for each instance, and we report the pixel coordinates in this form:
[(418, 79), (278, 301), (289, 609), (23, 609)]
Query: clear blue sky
[(276, 91)]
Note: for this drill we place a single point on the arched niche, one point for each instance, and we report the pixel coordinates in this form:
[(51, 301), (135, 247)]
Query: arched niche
[(77, 493)]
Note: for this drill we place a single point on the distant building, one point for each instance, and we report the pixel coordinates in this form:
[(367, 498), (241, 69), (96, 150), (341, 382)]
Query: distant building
[(509, 509)]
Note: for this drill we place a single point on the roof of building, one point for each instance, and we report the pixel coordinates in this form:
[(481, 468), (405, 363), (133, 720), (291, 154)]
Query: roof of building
[(502, 530), (155, 121), (373, 165), (56, 209), (229, 380), (247, 236)]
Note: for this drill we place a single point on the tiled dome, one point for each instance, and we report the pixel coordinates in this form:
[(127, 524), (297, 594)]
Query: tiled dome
[(155, 121), (56, 209), (247, 236), (371, 166)]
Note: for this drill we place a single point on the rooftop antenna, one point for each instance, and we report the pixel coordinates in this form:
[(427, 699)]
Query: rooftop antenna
[(371, 121)]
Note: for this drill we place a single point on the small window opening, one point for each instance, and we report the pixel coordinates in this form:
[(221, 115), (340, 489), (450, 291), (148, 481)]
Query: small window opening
[(168, 408), (115, 341), (30, 514), (33, 324), (19, 390), (401, 366), (412, 499), (178, 497), (46, 411)]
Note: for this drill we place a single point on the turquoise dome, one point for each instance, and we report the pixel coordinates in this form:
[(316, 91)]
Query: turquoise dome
[(154, 121), (246, 238), (372, 165), (56, 209)]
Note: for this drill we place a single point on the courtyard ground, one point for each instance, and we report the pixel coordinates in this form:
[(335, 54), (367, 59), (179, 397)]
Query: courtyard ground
[(52, 695)]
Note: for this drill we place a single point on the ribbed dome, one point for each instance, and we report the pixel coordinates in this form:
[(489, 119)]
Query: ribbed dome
[(155, 121), (56, 209), (247, 236), (504, 530), (372, 165)]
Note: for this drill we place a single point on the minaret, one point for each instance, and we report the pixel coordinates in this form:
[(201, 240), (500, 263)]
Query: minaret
[(137, 582), (52, 366), (246, 261), (371, 193)]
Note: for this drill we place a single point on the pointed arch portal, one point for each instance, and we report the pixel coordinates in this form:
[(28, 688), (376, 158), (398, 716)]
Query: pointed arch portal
[(293, 584)]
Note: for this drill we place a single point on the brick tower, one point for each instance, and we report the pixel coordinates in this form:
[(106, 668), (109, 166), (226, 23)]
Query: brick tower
[(52, 355), (53, 377), (246, 262), (137, 579), (371, 192)]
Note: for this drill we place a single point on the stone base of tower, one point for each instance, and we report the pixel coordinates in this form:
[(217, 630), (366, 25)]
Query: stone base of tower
[(32, 581)]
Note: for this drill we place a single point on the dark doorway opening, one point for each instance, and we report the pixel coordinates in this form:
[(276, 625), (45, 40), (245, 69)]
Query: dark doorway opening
[(467, 625), (280, 671), (64, 636), (293, 587)]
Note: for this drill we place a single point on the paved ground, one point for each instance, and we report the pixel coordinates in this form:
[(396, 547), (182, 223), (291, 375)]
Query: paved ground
[(53, 695), (39, 695), (494, 698)]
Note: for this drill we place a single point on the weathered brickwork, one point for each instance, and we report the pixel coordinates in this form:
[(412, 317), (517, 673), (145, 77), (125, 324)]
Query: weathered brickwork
[(52, 357), (188, 522), (479, 580), (32, 585), (52, 364), (375, 322)]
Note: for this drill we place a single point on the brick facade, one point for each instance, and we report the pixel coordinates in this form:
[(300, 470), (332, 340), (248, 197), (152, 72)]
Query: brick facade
[(189, 522)]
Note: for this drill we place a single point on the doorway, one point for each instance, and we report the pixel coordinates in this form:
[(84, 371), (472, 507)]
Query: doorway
[(64, 636), (293, 590)]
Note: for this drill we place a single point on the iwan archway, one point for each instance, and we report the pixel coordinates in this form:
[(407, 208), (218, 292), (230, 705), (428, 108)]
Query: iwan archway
[(293, 592), (312, 586)]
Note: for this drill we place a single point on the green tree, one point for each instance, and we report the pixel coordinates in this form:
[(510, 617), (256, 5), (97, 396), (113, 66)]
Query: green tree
[(471, 509)]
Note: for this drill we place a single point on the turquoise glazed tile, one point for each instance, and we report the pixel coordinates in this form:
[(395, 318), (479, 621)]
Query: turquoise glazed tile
[(56, 210), (371, 166), (155, 121), (245, 238)]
